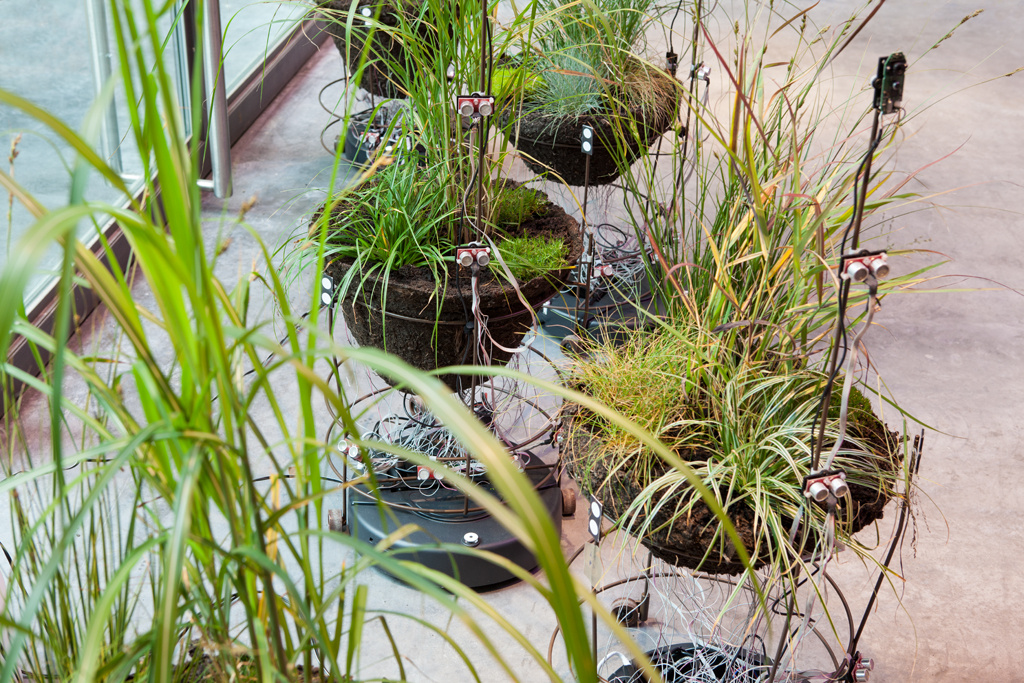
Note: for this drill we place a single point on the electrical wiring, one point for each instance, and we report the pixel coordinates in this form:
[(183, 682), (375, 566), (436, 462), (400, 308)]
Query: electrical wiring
[(412, 427), (713, 628), (828, 543), (838, 351), (850, 367), (687, 636), (479, 320), (335, 118)]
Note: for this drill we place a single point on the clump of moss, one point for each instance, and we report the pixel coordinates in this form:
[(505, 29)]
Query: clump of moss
[(530, 257), (517, 205), (860, 416)]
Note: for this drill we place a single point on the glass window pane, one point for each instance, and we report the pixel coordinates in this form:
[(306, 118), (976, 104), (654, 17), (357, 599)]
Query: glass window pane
[(58, 76), (252, 28)]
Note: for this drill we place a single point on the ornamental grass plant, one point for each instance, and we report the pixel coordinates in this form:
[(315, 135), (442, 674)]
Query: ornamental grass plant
[(438, 182), (746, 429), (742, 217)]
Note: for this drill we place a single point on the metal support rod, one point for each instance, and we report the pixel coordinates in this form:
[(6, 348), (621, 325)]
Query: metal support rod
[(484, 121), (96, 15), (844, 289), (460, 139), (484, 54), (859, 216), (474, 379), (581, 327), (219, 141), (344, 460), (679, 190), (481, 170)]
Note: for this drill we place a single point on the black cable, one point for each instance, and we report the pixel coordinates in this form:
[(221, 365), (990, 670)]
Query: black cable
[(292, 476), (844, 292), (900, 529), (672, 26), (320, 95), (489, 56)]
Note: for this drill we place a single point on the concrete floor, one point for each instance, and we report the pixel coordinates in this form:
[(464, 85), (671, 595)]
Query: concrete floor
[(950, 359), (955, 360)]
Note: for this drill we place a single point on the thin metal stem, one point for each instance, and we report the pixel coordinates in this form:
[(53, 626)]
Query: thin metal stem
[(581, 326)]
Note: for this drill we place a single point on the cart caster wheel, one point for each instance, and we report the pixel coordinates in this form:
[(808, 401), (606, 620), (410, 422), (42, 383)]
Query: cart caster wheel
[(568, 502), (336, 521), (572, 345)]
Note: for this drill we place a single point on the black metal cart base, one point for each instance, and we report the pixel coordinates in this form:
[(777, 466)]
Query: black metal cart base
[(442, 521)]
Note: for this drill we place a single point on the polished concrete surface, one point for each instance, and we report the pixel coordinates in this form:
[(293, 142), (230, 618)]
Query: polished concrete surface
[(951, 359)]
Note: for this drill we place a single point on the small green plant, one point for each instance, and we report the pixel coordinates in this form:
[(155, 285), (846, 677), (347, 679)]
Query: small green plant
[(414, 212), (394, 219), (517, 205), (531, 257), (588, 59), (399, 218), (571, 86)]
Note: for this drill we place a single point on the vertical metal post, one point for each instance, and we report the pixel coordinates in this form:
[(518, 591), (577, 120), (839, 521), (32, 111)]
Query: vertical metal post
[(218, 139), (866, 181), (96, 15), (582, 325)]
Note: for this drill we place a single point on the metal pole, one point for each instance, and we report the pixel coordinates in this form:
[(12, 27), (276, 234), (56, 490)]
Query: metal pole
[(219, 142), (862, 198), (581, 327), (96, 15)]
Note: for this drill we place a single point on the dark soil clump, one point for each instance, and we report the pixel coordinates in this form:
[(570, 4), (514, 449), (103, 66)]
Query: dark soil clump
[(425, 320), (551, 145)]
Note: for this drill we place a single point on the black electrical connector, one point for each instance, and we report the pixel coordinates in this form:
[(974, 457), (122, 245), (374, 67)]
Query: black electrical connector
[(888, 83)]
